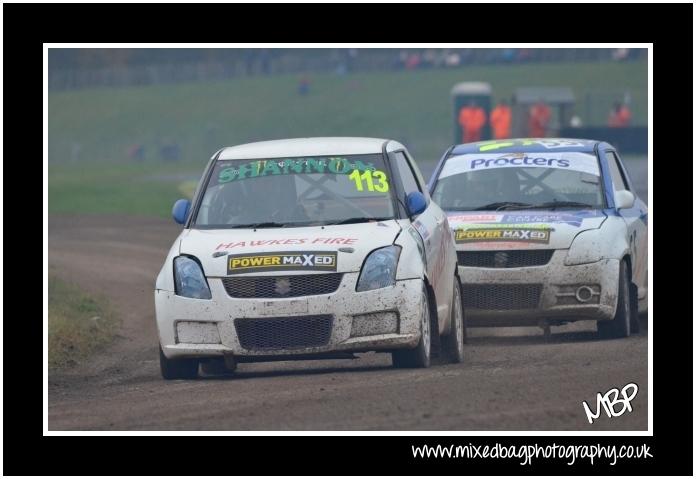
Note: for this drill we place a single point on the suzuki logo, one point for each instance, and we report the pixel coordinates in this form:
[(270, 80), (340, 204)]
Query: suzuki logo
[(500, 259), (282, 286)]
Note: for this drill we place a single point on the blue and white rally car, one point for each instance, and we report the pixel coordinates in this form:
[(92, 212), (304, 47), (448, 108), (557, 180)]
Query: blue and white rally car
[(547, 231), (308, 248)]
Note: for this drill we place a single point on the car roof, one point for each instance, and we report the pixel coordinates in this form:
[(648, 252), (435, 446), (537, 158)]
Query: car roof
[(318, 146), (523, 145)]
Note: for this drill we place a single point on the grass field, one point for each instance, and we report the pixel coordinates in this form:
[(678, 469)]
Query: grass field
[(91, 130), (78, 324), (141, 189)]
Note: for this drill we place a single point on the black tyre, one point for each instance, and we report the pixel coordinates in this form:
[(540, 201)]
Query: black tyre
[(418, 357), (178, 368), (635, 317), (453, 343), (620, 325)]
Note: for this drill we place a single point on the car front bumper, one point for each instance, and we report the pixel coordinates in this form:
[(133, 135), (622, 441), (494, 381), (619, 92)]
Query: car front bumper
[(527, 295), (378, 320)]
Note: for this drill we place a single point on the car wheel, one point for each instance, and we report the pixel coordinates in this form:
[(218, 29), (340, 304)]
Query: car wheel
[(454, 341), (620, 325), (418, 357), (178, 368)]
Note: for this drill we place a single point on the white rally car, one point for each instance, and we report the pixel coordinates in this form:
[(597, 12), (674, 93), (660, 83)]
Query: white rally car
[(547, 231), (308, 248)]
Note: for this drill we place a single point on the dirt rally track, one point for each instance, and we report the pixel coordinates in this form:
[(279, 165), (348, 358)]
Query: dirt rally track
[(511, 380)]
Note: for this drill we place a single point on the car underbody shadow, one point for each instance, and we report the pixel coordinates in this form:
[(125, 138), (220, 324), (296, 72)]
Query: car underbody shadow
[(296, 368), (575, 332)]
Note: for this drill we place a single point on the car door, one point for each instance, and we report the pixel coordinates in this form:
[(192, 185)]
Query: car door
[(636, 219), (433, 228)]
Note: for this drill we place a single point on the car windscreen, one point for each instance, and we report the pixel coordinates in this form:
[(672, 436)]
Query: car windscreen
[(296, 191), (472, 181)]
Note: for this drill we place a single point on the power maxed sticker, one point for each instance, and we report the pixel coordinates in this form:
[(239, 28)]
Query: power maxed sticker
[(281, 261), (521, 235)]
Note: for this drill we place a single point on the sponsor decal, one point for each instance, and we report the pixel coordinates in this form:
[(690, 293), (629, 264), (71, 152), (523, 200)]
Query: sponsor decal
[(293, 166), (548, 144), (482, 163), (574, 161), (507, 225), (370, 180), (419, 243), (422, 230), (572, 220), (439, 265), (511, 234), (287, 241), (551, 144), (282, 261), (524, 217), (458, 218), (496, 145)]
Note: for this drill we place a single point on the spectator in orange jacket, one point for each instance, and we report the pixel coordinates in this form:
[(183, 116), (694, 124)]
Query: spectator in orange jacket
[(539, 117), (471, 118), (501, 118), (620, 116)]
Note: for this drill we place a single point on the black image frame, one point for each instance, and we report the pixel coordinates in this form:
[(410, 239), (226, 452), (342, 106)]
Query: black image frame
[(26, 27)]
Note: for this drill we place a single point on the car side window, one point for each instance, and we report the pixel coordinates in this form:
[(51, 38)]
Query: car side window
[(408, 178), (617, 176), (422, 185)]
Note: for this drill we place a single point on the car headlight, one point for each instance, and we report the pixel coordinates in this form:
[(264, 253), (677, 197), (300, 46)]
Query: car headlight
[(586, 248), (189, 280), (379, 270)]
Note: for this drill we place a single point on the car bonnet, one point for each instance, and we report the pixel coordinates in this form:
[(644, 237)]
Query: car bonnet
[(313, 249)]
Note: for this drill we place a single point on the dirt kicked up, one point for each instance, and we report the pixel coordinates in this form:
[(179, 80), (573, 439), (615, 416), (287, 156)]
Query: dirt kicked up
[(511, 379)]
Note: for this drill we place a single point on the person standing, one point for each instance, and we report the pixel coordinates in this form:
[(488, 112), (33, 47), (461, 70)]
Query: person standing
[(303, 85), (620, 116), (539, 118), (501, 118), (471, 119)]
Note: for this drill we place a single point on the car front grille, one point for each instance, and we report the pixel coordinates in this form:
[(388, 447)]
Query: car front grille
[(504, 259), (291, 286), (501, 296), (290, 332)]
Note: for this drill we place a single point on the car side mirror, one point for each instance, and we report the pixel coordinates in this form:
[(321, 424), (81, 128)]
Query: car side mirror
[(180, 210), (624, 199), (415, 203)]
